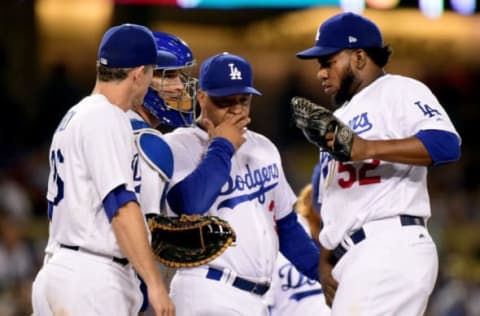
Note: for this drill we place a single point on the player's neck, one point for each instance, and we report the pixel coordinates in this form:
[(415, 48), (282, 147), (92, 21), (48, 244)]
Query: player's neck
[(147, 117), (368, 79), (372, 76), (115, 93)]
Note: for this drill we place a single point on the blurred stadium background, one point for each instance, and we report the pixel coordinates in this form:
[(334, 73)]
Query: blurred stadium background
[(47, 63)]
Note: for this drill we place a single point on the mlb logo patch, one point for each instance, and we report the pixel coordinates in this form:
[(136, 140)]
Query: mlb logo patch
[(352, 39)]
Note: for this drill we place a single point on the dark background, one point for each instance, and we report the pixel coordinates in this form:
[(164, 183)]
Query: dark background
[(44, 70)]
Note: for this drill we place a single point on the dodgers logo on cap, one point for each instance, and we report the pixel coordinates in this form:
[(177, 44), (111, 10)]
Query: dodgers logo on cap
[(342, 31), (235, 74), (227, 74)]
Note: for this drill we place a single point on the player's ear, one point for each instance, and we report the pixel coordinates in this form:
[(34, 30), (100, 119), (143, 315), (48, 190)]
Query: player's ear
[(201, 97), (359, 57), (137, 72), (140, 71)]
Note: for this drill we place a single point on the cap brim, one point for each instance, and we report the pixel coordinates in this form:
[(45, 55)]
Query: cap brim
[(223, 92), (165, 59), (317, 51)]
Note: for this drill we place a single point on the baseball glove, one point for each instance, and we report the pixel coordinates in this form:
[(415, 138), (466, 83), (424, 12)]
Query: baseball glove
[(316, 121), (189, 240)]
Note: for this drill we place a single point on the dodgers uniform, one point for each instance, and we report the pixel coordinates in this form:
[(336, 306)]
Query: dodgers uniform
[(295, 294), (255, 195), (155, 163), (292, 293), (89, 157), (156, 167), (373, 211)]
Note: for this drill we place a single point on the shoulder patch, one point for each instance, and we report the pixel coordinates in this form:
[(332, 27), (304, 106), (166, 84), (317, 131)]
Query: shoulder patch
[(156, 152)]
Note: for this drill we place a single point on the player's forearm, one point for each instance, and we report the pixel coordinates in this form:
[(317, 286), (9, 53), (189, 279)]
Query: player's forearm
[(297, 246), (129, 228), (325, 266), (325, 255), (409, 150)]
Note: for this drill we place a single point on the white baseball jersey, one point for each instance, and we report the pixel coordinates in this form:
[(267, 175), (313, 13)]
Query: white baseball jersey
[(92, 153), (255, 195), (292, 293), (353, 193)]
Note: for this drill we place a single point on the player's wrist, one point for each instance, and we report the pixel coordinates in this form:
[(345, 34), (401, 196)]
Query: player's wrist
[(156, 286), (363, 149)]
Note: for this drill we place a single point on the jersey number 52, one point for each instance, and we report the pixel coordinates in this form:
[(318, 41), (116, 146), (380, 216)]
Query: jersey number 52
[(357, 172)]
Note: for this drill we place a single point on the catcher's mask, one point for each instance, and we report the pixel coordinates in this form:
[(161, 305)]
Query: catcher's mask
[(172, 99)]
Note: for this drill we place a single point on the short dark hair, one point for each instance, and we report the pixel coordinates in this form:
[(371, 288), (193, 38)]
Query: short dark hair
[(109, 74), (379, 55)]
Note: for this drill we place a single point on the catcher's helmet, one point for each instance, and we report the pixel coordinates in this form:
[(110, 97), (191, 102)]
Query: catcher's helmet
[(173, 109)]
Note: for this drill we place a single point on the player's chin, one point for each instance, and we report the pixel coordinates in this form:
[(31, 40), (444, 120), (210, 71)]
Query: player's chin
[(329, 90)]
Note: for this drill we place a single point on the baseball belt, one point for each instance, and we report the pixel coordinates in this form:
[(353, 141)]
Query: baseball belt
[(239, 283), (120, 261), (359, 235)]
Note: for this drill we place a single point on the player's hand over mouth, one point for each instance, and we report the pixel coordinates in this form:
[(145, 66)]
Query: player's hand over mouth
[(232, 129)]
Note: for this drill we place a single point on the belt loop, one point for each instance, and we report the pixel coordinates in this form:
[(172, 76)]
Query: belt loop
[(230, 276)]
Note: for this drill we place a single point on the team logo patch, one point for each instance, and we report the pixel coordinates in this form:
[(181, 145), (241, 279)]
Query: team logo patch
[(235, 74), (427, 110)]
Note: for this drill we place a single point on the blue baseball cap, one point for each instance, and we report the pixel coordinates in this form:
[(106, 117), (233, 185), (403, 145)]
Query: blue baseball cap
[(342, 31), (226, 74), (129, 45)]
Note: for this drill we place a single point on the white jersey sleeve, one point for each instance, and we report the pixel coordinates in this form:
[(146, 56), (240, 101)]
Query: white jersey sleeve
[(104, 139), (424, 112)]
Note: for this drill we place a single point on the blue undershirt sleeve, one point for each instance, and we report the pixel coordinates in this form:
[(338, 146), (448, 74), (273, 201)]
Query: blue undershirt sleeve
[(144, 291), (116, 199), (197, 192), (297, 246), (315, 186), (443, 146)]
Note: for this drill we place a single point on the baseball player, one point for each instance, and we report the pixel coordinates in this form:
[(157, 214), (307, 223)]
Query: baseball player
[(224, 169), (375, 207), (94, 215), (170, 101), (291, 292)]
